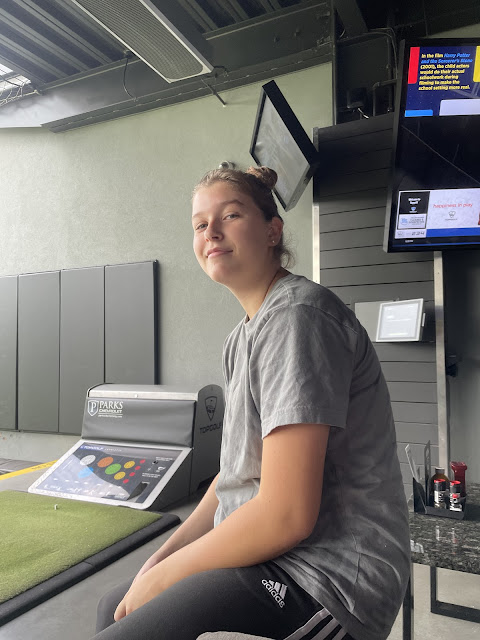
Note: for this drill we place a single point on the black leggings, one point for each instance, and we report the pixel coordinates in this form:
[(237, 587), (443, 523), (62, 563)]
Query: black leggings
[(260, 600)]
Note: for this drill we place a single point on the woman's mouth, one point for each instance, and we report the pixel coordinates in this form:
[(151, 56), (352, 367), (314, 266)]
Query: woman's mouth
[(213, 253)]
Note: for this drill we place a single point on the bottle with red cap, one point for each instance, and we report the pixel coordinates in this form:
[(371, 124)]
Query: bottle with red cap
[(455, 502), (459, 469)]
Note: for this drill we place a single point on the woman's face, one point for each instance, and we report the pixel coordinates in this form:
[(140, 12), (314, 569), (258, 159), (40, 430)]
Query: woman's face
[(232, 240)]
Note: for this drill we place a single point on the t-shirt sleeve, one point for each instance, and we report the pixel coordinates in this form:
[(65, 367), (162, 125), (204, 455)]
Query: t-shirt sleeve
[(301, 368)]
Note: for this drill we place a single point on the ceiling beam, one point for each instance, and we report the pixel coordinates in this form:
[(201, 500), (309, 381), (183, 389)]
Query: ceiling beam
[(237, 11), (351, 17), (193, 90), (220, 9), (79, 16), (270, 5), (271, 36), (27, 33), (198, 14), (17, 51), (63, 31)]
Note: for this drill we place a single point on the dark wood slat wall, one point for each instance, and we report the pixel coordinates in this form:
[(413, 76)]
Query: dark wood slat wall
[(351, 195)]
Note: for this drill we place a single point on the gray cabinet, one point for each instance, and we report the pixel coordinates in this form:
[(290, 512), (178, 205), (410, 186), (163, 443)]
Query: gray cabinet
[(62, 332)]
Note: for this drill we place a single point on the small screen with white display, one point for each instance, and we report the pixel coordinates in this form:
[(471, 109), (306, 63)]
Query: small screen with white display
[(280, 142), (276, 147), (400, 321)]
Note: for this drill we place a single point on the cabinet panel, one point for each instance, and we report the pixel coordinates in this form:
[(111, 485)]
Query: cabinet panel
[(8, 352), (131, 328), (82, 344), (38, 351)]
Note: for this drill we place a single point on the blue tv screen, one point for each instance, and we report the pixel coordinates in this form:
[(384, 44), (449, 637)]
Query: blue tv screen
[(434, 193)]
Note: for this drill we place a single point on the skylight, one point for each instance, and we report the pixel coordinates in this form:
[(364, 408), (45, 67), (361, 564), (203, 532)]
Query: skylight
[(11, 85)]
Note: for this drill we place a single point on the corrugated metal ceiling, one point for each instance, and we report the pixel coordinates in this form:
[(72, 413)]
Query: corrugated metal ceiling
[(50, 40), (81, 74)]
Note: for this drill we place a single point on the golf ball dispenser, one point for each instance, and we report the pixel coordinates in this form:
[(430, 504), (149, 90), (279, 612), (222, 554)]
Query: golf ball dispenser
[(142, 446)]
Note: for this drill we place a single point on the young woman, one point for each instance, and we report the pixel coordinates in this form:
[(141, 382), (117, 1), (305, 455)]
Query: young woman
[(304, 532)]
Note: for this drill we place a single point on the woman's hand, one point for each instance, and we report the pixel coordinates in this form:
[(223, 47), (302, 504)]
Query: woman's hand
[(144, 588), (279, 517), (149, 564)]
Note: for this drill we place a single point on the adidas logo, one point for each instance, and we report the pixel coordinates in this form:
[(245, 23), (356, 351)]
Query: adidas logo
[(276, 590)]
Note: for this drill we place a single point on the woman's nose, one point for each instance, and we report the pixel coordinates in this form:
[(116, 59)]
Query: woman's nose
[(213, 231)]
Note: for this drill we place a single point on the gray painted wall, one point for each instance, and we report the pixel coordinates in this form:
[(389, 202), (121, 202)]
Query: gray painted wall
[(120, 192)]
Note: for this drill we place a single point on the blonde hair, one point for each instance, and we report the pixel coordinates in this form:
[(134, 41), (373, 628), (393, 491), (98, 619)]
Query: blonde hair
[(256, 182)]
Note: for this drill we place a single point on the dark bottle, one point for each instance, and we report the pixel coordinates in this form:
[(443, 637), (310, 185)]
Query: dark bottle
[(438, 475)]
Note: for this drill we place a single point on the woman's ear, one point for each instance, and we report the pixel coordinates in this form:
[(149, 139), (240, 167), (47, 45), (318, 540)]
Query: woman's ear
[(276, 228)]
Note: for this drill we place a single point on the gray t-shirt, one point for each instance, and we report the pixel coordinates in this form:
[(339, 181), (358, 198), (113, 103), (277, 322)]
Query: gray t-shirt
[(304, 358)]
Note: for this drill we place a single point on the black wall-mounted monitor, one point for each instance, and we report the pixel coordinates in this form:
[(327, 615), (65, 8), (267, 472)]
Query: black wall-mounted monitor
[(434, 195), (280, 142)]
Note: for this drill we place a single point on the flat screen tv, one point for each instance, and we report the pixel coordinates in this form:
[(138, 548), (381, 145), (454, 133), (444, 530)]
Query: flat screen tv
[(280, 142), (434, 195)]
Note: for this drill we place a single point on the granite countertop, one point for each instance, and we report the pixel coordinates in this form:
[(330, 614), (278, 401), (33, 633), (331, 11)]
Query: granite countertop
[(447, 543)]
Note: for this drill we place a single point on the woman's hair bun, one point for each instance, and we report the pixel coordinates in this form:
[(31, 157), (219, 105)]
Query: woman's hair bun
[(266, 175)]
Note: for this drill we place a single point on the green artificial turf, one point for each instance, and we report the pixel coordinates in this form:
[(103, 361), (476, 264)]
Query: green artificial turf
[(38, 541)]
